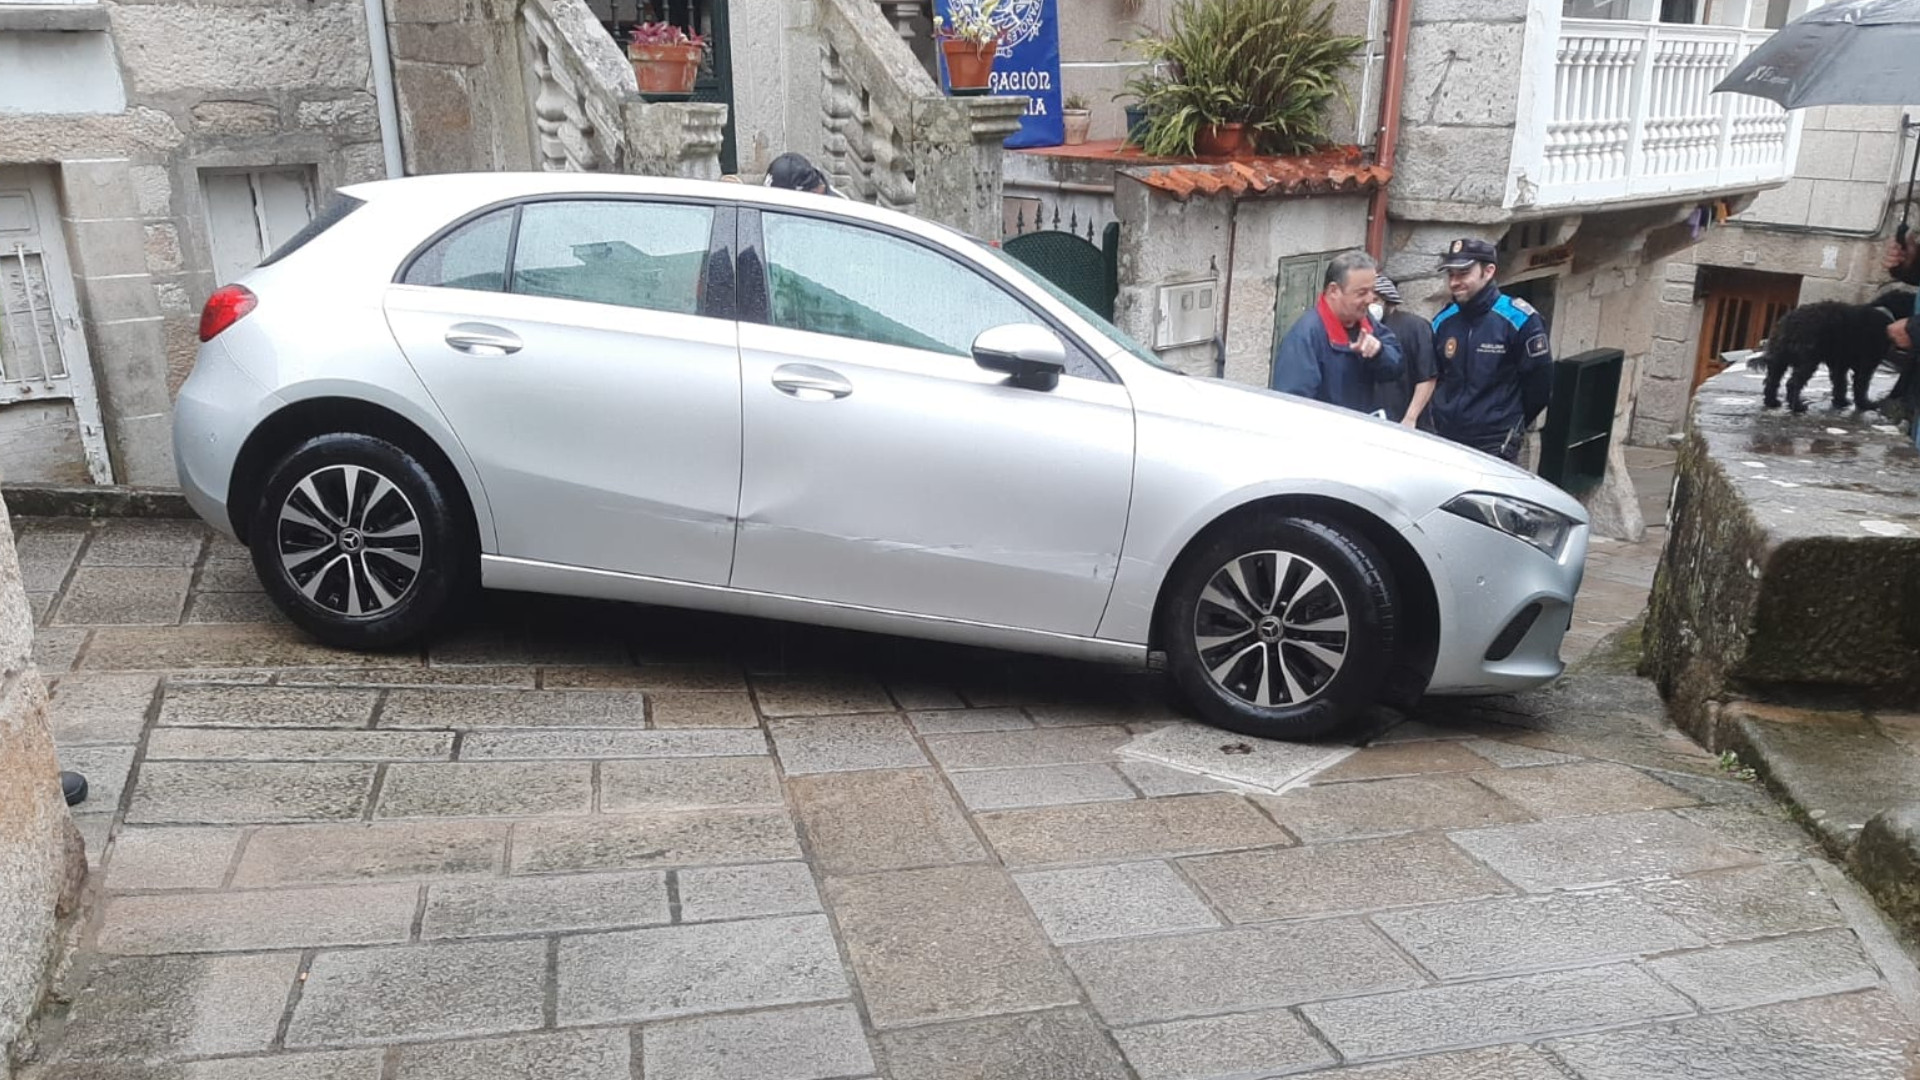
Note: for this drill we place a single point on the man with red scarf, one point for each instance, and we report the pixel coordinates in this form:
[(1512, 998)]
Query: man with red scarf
[(1335, 353)]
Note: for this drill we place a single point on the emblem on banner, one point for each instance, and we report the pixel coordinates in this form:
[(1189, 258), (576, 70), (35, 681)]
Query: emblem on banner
[(1019, 22)]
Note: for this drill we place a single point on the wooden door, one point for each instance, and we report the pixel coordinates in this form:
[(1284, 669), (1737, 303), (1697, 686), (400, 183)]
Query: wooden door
[(1742, 307)]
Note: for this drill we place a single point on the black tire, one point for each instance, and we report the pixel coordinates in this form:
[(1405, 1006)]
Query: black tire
[(1311, 699), (349, 584)]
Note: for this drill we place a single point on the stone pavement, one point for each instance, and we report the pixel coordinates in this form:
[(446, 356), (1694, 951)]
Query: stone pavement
[(591, 841), (1619, 574)]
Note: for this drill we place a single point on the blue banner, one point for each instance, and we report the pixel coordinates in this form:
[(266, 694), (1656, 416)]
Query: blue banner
[(1027, 65)]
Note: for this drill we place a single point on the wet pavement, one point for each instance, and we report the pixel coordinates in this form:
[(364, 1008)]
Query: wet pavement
[(592, 841)]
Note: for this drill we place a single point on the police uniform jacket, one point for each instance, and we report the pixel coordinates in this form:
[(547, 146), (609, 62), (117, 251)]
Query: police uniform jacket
[(1495, 368)]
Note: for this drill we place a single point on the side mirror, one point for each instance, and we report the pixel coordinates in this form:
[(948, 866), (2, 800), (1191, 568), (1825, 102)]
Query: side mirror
[(1033, 355)]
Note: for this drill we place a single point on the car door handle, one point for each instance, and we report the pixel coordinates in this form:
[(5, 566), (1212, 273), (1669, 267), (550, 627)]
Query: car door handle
[(480, 339), (809, 383)]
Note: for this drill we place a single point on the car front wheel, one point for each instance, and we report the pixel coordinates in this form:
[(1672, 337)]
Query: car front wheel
[(356, 542), (1282, 627)]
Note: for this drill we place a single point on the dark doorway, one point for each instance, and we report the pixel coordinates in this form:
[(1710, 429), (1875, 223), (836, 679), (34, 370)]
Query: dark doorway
[(1742, 306)]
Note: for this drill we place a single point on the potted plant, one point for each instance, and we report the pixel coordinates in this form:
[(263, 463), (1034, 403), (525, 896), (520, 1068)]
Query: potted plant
[(666, 59), (968, 41), (1078, 119), (1233, 77)]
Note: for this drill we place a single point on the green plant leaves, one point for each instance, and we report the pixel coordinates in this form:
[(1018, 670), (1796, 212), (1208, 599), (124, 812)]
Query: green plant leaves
[(1270, 64)]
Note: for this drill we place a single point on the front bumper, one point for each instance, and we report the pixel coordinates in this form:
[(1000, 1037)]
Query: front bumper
[(1487, 580)]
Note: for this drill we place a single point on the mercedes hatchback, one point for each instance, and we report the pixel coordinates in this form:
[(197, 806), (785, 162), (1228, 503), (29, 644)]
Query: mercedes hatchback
[(776, 404)]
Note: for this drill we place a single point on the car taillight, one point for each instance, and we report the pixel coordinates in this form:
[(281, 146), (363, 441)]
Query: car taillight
[(226, 306)]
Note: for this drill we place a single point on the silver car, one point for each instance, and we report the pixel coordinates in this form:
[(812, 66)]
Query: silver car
[(776, 404)]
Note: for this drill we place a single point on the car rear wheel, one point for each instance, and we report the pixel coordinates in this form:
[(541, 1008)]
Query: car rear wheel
[(357, 542), (1282, 627)]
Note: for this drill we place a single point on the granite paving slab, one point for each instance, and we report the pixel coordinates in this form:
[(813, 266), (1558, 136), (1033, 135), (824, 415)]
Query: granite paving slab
[(602, 1054), (868, 821), (259, 921), (1094, 903), (1463, 1015), (1577, 852), (974, 949), (370, 997), (1144, 828), (1331, 879), (673, 971), (160, 1008), (1855, 1037), (1032, 1046), (544, 905), (809, 1043), (1247, 969), (635, 841)]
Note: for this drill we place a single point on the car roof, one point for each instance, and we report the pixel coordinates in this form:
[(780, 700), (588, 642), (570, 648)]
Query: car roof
[(470, 190)]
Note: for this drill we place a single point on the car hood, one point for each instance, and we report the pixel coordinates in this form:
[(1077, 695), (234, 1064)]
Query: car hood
[(1259, 411)]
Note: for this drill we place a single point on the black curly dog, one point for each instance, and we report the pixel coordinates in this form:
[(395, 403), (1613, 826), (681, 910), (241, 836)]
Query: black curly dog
[(1850, 339)]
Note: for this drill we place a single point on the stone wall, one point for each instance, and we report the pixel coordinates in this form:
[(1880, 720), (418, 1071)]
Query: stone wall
[(1459, 110), (232, 86), (1793, 563), (1168, 241), (42, 858), (459, 84)]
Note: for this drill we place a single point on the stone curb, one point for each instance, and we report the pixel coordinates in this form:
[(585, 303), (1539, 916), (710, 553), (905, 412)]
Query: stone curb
[(91, 501), (1886, 861), (1847, 813)]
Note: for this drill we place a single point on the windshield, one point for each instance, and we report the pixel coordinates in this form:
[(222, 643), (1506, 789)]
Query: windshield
[(1119, 336)]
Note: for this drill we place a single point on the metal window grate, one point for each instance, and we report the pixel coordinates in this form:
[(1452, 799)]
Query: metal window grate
[(32, 354)]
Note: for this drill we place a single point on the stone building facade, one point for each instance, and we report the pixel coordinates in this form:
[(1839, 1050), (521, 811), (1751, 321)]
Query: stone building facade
[(156, 147)]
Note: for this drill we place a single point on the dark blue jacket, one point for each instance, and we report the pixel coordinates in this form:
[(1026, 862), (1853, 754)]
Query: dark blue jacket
[(1496, 370), (1308, 362)]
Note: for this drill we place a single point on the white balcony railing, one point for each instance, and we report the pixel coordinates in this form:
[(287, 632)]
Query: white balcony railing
[(1633, 116)]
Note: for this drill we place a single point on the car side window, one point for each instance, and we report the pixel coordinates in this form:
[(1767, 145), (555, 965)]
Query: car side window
[(607, 251), (830, 278), (473, 256)]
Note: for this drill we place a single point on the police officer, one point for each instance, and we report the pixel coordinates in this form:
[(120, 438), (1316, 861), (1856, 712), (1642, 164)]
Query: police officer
[(1496, 370)]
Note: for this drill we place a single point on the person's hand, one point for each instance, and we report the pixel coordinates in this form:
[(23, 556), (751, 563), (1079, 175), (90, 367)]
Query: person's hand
[(1900, 253), (1411, 423), (1897, 333), (1369, 346)]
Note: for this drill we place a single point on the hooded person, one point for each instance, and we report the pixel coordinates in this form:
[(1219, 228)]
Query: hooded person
[(795, 173)]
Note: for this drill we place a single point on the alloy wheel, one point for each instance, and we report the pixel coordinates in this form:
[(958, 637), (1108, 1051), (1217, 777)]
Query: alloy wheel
[(1271, 629), (350, 541)]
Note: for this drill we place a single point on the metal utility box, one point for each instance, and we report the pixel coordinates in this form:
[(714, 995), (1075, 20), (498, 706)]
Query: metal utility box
[(1579, 429), (1187, 314)]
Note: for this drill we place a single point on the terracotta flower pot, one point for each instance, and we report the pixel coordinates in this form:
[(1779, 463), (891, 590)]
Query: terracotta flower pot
[(665, 69), (1223, 140), (1078, 121), (969, 63)]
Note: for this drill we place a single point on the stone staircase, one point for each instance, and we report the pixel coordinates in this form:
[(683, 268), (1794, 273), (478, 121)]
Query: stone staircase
[(888, 136)]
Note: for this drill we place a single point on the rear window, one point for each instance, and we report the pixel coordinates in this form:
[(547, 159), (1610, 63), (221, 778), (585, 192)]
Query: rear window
[(339, 208)]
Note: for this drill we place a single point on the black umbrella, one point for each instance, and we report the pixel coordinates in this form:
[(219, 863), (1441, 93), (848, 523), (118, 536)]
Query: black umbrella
[(1860, 52)]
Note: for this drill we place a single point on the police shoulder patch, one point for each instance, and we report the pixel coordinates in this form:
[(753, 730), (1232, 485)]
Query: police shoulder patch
[(1537, 345)]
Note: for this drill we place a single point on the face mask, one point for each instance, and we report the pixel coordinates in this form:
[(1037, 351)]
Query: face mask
[(1377, 310)]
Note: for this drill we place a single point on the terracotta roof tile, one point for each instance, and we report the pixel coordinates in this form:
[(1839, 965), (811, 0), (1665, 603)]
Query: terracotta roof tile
[(1338, 170)]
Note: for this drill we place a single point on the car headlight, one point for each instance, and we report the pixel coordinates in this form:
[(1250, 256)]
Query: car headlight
[(1543, 528)]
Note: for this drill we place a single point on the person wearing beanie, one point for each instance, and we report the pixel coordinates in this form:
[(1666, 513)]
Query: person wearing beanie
[(1404, 400)]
